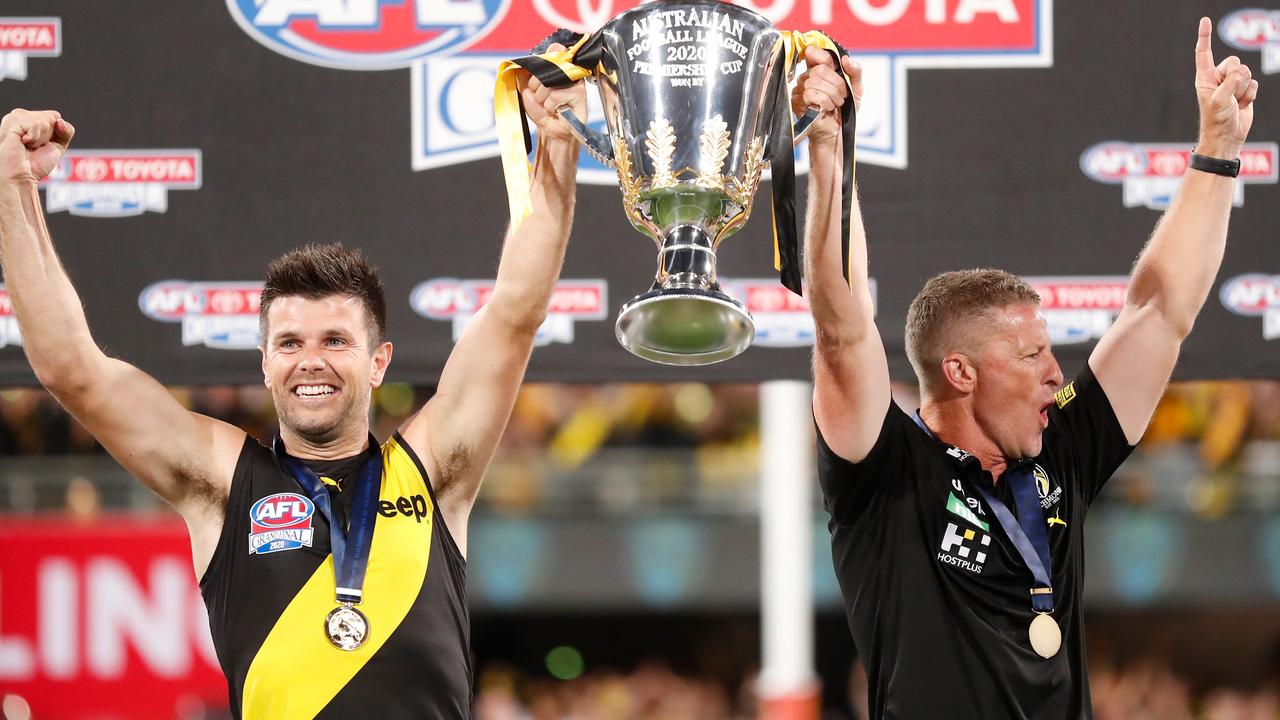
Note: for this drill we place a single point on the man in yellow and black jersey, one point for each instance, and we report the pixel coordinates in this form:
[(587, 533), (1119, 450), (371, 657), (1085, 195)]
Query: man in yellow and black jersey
[(332, 567)]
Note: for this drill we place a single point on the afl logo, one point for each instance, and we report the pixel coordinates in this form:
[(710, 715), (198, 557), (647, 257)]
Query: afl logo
[(1112, 162), (366, 34), (1252, 294), (282, 510), (1250, 29)]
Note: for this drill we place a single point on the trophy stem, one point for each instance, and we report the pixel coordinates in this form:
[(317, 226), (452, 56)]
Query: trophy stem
[(687, 259), (685, 319)]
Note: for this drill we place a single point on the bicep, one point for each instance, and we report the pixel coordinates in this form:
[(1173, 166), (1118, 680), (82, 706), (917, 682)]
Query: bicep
[(850, 393), (180, 455), (1133, 362), (457, 431)]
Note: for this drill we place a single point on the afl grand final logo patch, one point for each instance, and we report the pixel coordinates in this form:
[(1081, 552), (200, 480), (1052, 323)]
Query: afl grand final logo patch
[(280, 522)]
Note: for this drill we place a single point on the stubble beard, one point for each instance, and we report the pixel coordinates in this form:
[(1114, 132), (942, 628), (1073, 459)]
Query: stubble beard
[(324, 430)]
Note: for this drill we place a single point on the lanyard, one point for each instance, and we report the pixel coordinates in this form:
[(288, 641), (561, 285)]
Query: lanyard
[(350, 559), (1028, 532)]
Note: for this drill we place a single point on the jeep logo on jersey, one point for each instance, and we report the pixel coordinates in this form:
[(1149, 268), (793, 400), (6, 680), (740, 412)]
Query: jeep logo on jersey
[(453, 101), (366, 34), (1255, 295), (24, 37), (1254, 30), (782, 318), (220, 315), (460, 300), (120, 183), (1151, 172), (9, 334), (1080, 309), (280, 522)]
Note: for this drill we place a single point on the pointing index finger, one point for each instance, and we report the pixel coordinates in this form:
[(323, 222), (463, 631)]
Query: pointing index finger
[(1204, 47)]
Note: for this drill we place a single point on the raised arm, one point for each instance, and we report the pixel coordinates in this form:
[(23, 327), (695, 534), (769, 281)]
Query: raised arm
[(457, 431), (1176, 270), (185, 458), (850, 371)]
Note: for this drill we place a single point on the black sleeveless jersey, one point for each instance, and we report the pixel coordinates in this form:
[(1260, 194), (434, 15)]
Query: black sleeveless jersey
[(270, 585)]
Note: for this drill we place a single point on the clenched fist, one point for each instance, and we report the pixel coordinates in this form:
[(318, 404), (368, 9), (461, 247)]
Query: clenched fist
[(541, 103), (822, 86), (31, 144)]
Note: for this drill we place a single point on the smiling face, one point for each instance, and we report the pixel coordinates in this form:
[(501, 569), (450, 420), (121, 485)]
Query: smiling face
[(321, 367), (1016, 376)]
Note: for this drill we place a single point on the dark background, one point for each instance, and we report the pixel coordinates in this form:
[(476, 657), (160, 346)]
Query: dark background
[(295, 153)]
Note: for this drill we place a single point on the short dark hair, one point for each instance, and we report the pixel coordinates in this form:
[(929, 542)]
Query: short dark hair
[(317, 271), (951, 302)]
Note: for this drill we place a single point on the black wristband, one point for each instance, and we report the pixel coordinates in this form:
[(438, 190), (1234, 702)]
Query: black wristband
[(1217, 166)]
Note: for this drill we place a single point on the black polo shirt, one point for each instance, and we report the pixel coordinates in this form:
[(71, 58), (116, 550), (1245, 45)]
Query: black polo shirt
[(938, 597)]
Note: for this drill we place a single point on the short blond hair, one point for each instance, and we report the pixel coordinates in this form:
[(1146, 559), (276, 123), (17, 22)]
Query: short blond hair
[(943, 317)]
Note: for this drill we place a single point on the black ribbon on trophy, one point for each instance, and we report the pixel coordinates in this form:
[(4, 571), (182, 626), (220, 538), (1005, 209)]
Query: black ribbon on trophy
[(648, 61)]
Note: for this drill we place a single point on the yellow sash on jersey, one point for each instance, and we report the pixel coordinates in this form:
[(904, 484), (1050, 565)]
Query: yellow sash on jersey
[(297, 671)]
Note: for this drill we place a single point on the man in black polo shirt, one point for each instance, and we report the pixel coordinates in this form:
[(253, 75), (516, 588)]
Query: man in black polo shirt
[(958, 533)]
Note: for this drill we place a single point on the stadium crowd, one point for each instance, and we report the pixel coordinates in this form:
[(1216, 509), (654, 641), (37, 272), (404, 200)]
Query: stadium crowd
[(1144, 689), (1213, 447)]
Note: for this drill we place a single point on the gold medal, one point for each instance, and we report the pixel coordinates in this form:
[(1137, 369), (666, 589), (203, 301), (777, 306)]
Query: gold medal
[(1046, 636), (346, 627)]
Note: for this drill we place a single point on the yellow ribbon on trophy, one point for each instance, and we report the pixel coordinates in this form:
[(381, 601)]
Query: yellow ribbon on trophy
[(513, 130), (580, 59)]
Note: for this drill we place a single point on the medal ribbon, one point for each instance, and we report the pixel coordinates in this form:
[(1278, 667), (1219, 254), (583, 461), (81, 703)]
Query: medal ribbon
[(1029, 532), (350, 548)]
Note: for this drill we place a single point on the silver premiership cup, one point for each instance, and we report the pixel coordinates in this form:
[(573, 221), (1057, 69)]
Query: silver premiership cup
[(688, 88)]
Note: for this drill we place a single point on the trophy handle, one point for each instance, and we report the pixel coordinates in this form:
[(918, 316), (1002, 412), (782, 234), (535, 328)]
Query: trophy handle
[(596, 142), (802, 127)]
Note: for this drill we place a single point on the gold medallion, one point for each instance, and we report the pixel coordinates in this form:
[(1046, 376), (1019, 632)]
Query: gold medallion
[(1046, 636), (346, 627)]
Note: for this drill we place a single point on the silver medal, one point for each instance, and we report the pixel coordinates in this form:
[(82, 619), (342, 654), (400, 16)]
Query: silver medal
[(1046, 636), (346, 627)]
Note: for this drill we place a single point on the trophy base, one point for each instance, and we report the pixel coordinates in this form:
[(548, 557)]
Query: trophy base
[(684, 327)]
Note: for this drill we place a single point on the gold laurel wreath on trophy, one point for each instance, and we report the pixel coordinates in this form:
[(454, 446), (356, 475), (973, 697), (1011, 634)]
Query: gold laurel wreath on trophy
[(713, 144)]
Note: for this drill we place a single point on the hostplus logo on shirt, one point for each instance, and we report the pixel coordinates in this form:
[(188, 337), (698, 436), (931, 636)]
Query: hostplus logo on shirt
[(964, 548)]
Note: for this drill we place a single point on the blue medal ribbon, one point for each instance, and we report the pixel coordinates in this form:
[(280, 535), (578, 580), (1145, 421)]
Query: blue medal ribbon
[(350, 547), (1028, 531)]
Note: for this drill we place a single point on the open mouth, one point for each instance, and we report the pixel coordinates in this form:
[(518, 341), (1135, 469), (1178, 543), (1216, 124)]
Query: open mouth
[(314, 391), (1044, 413)]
